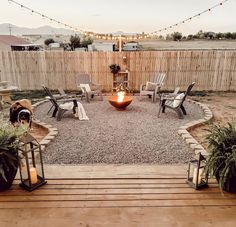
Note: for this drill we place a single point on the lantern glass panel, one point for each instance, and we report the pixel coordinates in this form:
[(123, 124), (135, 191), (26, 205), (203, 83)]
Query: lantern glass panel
[(31, 169), (196, 177)]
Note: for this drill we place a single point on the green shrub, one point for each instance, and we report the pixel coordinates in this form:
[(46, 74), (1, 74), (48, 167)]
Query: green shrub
[(222, 147)]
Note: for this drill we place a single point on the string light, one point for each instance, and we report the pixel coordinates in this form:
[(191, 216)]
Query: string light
[(44, 16), (190, 18), (102, 36)]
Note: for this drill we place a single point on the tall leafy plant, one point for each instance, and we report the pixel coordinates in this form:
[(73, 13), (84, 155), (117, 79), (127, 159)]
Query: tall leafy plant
[(222, 159)]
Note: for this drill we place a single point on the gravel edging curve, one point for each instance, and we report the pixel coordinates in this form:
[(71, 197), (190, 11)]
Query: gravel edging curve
[(52, 131), (183, 131)]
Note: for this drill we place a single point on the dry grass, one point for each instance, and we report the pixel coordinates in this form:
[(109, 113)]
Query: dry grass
[(223, 106)]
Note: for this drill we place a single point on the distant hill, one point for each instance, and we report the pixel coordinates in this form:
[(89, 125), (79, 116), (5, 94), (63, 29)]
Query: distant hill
[(123, 33), (44, 30)]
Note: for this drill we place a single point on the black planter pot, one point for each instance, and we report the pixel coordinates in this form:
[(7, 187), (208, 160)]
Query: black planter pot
[(230, 185), (10, 176)]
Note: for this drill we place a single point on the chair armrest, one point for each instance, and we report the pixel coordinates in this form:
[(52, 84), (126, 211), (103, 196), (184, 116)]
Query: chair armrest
[(82, 89), (142, 86), (47, 97), (71, 96), (168, 96), (66, 100), (157, 89)]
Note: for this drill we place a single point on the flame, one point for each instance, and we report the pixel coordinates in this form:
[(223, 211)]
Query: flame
[(121, 95)]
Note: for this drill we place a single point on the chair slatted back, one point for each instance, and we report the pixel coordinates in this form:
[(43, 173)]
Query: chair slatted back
[(158, 78), (83, 79), (62, 92), (189, 89), (176, 91), (51, 98), (187, 92)]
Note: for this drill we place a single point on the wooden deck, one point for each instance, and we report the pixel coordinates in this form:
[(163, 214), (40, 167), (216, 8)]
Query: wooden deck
[(133, 196)]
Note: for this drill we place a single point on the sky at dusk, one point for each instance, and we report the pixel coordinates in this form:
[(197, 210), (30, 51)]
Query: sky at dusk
[(106, 16)]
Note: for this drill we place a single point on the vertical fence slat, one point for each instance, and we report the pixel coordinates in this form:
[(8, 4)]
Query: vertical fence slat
[(212, 69)]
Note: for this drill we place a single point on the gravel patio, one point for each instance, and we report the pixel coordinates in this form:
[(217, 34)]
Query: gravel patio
[(133, 136)]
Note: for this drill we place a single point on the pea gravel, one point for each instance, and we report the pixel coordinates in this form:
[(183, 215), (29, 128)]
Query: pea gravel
[(133, 136)]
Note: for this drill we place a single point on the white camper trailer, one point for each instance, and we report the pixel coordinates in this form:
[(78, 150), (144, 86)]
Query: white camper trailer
[(131, 46), (101, 47)]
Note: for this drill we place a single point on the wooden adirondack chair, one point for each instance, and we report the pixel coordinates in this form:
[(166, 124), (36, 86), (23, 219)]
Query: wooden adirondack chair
[(89, 90), (158, 81), (58, 109), (175, 103)]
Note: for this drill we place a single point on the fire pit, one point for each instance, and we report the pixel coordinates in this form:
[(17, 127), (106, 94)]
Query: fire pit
[(120, 101)]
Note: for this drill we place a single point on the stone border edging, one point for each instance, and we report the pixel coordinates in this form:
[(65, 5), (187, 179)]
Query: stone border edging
[(184, 133), (52, 131)]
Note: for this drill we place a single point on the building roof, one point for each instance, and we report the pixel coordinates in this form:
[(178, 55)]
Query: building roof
[(12, 40)]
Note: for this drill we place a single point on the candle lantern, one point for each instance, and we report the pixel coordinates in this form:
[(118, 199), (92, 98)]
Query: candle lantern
[(31, 168), (196, 177)]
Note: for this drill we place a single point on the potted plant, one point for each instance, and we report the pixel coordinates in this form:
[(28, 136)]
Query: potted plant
[(222, 159), (114, 68), (9, 140)]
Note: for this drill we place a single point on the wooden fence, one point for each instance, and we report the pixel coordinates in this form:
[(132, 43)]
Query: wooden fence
[(211, 69)]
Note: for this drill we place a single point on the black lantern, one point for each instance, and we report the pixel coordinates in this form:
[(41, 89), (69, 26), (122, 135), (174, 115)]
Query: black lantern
[(31, 168), (196, 176)]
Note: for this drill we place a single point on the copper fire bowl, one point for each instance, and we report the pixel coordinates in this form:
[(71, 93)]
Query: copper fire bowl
[(113, 100)]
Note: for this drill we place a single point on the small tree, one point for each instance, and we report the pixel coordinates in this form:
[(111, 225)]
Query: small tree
[(190, 37), (168, 37), (199, 35), (228, 35), (233, 35), (176, 36), (86, 41), (48, 41), (74, 41), (219, 35)]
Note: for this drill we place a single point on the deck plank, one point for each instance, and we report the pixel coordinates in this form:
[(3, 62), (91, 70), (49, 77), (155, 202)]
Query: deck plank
[(116, 217), (118, 200)]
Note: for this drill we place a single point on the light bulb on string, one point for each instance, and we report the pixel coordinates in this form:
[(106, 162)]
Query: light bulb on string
[(22, 7)]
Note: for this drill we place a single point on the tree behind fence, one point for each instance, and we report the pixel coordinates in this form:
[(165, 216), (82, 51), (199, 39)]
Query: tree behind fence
[(213, 70)]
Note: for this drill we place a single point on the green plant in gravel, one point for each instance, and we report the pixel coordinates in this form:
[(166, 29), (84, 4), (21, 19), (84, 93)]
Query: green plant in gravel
[(9, 141), (222, 159), (33, 95)]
